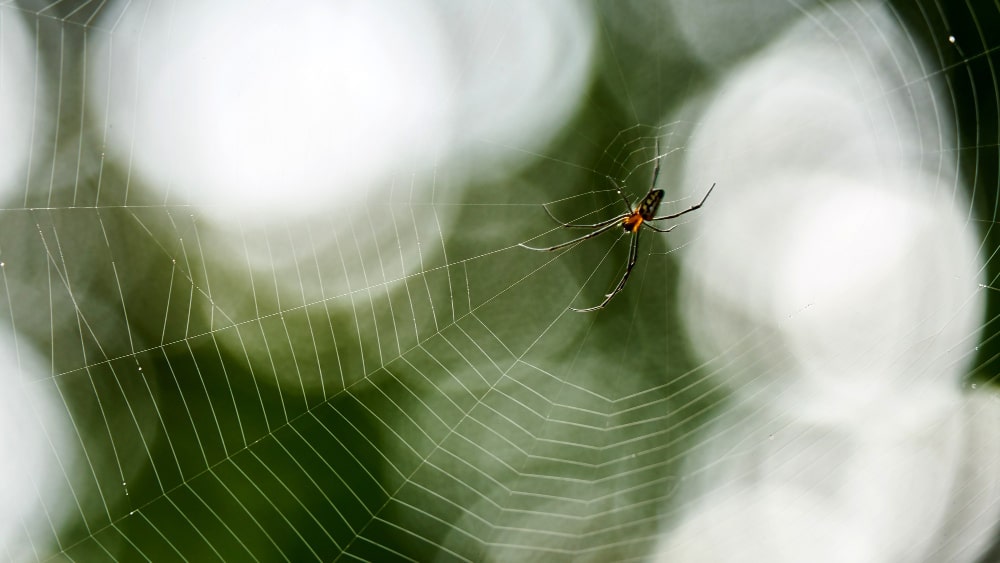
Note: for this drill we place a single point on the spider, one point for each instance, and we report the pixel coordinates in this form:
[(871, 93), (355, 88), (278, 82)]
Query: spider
[(631, 221)]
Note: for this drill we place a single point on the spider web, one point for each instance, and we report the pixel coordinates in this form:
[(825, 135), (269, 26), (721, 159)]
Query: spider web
[(388, 375)]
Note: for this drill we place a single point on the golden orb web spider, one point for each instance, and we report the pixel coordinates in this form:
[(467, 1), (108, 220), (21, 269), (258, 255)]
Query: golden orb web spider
[(631, 221)]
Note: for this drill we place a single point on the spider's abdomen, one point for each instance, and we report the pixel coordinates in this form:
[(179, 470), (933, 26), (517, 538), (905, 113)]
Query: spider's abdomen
[(647, 209)]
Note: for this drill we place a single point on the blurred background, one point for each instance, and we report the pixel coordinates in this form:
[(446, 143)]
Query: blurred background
[(262, 294)]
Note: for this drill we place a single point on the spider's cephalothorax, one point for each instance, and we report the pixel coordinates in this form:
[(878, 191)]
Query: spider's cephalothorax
[(630, 221)]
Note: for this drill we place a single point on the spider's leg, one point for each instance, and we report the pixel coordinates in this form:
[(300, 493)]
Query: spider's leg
[(667, 230), (688, 210), (578, 225), (633, 256), (609, 224), (622, 194)]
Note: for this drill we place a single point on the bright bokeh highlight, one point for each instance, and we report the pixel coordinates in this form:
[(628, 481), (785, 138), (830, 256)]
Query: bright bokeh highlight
[(255, 114), (836, 260), (20, 89)]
